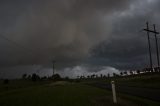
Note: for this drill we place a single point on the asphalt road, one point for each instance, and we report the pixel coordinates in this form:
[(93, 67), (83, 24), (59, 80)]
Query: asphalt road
[(147, 93)]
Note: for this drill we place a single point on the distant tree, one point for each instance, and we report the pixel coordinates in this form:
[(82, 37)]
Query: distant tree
[(144, 70), (81, 77), (29, 77), (104, 76), (24, 76), (125, 73), (35, 77), (44, 78), (151, 70), (101, 76), (158, 69), (114, 74), (121, 73), (92, 76), (155, 69), (131, 72), (66, 78), (6, 81), (108, 75), (138, 71), (96, 76), (56, 77), (88, 76)]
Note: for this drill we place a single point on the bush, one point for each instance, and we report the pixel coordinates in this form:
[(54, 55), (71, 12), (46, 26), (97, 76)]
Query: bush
[(56, 77), (35, 77), (24, 76), (6, 81)]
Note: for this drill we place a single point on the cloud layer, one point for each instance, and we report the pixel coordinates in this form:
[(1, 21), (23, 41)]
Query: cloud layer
[(73, 32), (64, 30), (76, 71), (128, 48)]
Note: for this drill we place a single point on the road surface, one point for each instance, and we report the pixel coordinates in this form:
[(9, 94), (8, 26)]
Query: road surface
[(148, 93)]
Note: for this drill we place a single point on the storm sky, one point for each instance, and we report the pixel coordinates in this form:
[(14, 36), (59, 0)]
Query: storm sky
[(75, 33)]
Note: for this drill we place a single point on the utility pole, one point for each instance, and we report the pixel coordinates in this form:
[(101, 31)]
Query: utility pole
[(53, 62), (149, 45), (155, 34)]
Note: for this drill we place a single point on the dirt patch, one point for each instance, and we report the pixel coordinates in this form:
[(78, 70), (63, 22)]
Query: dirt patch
[(59, 83)]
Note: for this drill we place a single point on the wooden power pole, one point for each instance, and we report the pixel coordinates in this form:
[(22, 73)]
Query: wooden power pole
[(149, 44), (157, 50), (53, 62)]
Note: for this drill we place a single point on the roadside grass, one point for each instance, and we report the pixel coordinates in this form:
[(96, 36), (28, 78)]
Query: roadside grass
[(67, 94), (143, 80), (149, 80), (19, 83), (53, 95)]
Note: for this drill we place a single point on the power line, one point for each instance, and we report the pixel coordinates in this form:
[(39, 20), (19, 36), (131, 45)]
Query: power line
[(30, 52)]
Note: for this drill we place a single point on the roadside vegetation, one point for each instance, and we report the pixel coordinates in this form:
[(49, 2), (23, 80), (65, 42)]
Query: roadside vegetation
[(64, 93), (57, 91)]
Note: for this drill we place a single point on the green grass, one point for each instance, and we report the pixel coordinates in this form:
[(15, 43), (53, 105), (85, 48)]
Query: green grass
[(66, 94), (18, 84), (144, 80), (52, 95)]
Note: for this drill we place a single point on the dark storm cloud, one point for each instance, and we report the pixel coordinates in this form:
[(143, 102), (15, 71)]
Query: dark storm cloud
[(94, 33), (127, 46), (64, 30)]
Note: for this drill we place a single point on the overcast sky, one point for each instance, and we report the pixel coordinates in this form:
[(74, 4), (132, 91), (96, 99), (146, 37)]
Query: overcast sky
[(75, 32)]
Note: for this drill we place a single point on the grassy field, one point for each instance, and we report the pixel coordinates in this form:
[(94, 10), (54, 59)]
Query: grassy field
[(63, 94), (143, 80)]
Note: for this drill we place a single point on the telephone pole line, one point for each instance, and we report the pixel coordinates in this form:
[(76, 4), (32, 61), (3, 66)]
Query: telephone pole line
[(157, 50), (53, 62), (149, 45)]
